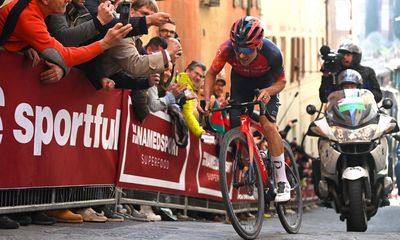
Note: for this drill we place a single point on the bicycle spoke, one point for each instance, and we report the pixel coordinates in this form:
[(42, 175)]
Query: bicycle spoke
[(243, 196)]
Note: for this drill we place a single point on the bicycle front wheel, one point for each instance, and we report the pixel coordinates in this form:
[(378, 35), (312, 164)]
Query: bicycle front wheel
[(241, 185), (291, 213)]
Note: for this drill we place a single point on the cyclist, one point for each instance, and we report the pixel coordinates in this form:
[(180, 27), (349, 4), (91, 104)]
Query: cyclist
[(256, 64)]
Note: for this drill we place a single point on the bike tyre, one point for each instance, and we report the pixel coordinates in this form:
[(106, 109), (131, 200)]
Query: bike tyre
[(293, 176), (230, 136)]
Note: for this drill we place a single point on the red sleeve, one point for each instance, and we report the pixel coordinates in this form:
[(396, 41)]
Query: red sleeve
[(221, 58), (32, 29)]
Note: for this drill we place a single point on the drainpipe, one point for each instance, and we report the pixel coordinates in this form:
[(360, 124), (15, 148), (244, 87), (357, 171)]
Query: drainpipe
[(326, 22), (249, 3)]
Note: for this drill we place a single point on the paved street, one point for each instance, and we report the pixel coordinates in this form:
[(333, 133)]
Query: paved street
[(320, 223)]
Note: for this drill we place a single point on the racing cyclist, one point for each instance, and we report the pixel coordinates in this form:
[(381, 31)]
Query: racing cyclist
[(256, 64)]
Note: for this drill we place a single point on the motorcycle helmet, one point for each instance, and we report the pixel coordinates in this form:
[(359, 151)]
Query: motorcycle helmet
[(351, 47), (350, 76), (247, 32)]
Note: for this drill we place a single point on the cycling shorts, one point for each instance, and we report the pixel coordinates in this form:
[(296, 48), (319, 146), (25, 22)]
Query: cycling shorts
[(242, 90)]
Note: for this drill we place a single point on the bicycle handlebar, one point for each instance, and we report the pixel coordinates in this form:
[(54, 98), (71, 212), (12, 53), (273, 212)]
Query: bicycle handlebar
[(236, 105)]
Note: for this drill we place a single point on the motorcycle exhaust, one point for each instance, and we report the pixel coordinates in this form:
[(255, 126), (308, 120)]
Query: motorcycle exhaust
[(387, 185)]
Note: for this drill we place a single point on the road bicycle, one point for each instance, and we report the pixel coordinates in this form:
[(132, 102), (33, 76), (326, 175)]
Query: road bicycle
[(248, 181)]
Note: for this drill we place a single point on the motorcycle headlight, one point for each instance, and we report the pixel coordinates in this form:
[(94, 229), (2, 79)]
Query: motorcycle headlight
[(344, 135)]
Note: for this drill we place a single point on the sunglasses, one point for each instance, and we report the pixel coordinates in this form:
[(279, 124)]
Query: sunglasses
[(246, 51)]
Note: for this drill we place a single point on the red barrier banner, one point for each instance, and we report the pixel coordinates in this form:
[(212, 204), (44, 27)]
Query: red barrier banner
[(59, 134), (149, 156), (150, 159), (207, 174)]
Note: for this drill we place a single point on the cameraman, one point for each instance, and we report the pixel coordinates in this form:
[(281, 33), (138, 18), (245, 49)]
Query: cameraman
[(350, 58)]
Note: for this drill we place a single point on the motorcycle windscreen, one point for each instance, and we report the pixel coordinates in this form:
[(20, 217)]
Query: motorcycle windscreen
[(351, 107)]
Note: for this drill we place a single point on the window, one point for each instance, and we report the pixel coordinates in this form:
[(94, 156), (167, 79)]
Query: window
[(295, 60), (210, 3)]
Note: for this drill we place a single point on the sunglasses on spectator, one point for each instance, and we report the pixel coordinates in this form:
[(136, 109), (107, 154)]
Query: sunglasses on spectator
[(167, 31), (246, 51)]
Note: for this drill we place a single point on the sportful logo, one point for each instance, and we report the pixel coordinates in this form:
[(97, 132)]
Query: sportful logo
[(64, 127)]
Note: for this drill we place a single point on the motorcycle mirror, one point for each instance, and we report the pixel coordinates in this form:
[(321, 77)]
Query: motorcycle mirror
[(387, 103), (311, 109)]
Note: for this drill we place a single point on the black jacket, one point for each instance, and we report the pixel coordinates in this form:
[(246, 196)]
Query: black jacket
[(369, 82)]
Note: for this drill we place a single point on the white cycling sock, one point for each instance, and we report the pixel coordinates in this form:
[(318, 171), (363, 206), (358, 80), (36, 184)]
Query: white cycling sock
[(279, 164)]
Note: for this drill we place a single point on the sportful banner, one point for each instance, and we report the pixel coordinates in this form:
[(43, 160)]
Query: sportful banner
[(58, 134), (69, 134)]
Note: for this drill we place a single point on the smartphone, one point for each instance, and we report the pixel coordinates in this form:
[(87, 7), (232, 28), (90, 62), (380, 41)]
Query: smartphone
[(227, 95), (202, 104), (125, 12)]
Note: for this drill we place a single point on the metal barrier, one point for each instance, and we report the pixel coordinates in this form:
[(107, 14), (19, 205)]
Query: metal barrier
[(37, 199), (159, 199)]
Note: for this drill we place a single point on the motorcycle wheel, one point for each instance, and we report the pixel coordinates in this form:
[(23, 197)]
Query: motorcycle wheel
[(357, 218)]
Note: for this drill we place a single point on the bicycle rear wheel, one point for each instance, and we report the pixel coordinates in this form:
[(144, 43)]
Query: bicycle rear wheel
[(241, 185), (291, 213)]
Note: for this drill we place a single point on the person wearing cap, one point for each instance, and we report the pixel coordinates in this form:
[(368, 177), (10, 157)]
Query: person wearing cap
[(351, 58), (218, 89)]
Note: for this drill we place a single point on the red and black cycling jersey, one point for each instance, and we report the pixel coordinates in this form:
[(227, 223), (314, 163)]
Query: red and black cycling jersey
[(269, 59)]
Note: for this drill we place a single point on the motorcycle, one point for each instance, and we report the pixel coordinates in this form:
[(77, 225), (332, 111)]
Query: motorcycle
[(353, 152)]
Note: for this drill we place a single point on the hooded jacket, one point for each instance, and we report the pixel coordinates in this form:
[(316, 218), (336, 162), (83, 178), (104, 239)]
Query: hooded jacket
[(189, 109)]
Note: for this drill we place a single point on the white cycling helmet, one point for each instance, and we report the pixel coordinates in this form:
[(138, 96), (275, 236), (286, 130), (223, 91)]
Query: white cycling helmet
[(350, 76)]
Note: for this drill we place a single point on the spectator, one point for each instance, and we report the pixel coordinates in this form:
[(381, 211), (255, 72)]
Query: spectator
[(287, 128), (77, 26), (219, 87), (126, 57), (155, 102), (192, 78), (168, 30), (31, 31), (216, 121)]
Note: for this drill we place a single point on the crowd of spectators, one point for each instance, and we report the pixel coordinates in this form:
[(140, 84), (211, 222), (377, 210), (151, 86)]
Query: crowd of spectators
[(89, 35)]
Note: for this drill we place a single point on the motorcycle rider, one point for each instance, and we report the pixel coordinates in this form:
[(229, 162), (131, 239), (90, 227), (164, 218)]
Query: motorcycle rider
[(350, 79), (351, 58)]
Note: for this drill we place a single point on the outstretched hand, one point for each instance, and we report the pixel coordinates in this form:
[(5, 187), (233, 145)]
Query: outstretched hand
[(52, 75), (34, 56)]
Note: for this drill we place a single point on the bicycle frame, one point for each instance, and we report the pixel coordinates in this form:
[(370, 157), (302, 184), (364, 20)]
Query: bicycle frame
[(245, 128)]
